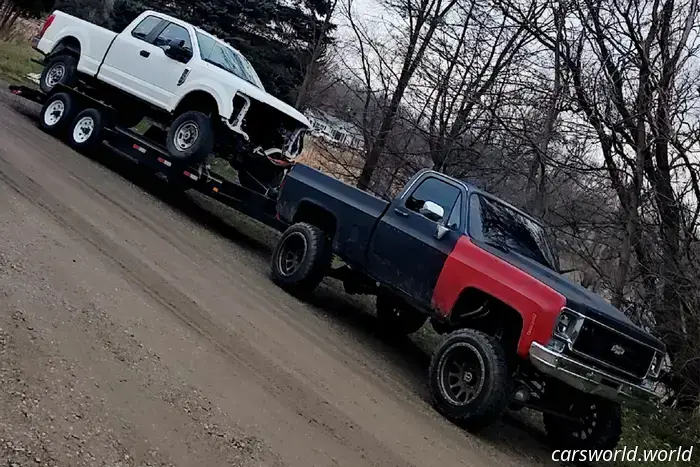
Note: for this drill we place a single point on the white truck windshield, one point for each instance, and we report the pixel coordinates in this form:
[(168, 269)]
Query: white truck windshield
[(226, 58)]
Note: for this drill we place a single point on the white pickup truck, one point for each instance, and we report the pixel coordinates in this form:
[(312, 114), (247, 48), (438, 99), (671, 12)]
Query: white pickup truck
[(203, 90)]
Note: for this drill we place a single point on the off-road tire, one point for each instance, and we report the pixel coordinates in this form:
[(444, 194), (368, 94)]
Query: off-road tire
[(69, 78), (396, 318), (564, 434), (492, 400), (313, 264), (200, 147), (50, 125)]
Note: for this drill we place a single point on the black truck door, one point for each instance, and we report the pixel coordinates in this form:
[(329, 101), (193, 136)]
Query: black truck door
[(405, 252)]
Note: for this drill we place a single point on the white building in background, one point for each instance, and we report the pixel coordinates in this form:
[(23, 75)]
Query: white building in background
[(334, 129)]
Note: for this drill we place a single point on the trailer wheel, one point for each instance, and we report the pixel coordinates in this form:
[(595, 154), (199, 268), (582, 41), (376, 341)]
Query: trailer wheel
[(469, 379), (86, 130), (397, 318), (57, 112), (302, 257), (190, 137), (62, 69)]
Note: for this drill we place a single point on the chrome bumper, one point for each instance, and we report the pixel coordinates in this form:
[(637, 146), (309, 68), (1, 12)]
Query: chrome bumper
[(587, 378)]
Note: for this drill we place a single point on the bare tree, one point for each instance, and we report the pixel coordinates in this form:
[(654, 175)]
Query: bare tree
[(317, 66), (628, 66), (412, 30)]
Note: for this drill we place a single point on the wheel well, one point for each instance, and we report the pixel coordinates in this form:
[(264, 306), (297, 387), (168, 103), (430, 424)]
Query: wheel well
[(68, 44), (198, 100), (318, 216), (478, 310)]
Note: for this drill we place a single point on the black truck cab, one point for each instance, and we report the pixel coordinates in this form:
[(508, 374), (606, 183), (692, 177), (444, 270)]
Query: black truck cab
[(428, 216)]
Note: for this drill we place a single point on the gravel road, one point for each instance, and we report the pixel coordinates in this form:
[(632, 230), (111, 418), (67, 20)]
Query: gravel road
[(140, 328)]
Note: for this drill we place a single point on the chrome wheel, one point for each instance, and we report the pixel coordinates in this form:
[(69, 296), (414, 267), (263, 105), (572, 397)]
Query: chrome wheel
[(461, 374), (186, 135), (55, 75), (83, 129), (292, 253), (54, 113)]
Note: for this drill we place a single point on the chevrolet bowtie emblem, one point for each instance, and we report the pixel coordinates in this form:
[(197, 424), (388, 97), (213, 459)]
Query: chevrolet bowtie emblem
[(617, 350)]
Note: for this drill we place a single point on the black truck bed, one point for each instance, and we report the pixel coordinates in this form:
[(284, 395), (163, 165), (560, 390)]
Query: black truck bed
[(356, 212)]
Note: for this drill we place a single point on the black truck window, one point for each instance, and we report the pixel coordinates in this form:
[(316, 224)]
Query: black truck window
[(435, 190), (145, 27), (455, 220), (508, 228)]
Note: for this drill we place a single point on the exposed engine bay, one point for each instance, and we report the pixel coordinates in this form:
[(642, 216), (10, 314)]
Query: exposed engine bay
[(267, 143)]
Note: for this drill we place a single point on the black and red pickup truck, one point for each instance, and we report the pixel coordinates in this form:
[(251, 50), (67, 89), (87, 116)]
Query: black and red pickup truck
[(517, 332)]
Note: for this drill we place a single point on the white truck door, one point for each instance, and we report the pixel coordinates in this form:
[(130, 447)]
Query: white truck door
[(168, 73), (125, 65), (137, 61)]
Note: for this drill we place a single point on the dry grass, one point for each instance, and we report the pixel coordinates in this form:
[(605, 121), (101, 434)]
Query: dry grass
[(338, 163)]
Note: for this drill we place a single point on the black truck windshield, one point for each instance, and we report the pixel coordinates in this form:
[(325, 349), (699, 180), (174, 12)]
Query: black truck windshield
[(506, 228), (227, 58)]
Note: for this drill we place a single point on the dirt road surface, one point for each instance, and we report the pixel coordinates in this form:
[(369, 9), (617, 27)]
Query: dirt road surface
[(139, 328)]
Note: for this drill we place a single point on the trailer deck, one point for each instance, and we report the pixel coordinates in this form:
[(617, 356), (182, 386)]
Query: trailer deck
[(143, 151)]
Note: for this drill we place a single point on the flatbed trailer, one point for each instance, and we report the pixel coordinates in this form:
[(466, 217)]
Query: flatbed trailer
[(149, 153)]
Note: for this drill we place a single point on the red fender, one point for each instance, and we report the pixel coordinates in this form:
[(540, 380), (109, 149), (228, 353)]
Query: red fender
[(469, 266)]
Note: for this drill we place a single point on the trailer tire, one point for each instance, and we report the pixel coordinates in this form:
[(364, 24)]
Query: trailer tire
[(61, 69), (301, 258), (190, 137), (470, 363), (57, 112), (86, 130)]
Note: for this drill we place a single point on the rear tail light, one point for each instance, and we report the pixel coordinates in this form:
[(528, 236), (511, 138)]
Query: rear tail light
[(46, 25)]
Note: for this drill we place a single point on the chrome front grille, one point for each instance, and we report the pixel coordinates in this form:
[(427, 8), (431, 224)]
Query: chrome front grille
[(621, 354)]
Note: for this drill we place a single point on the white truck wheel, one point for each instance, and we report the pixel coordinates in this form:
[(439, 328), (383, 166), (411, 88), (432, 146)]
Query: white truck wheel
[(190, 137)]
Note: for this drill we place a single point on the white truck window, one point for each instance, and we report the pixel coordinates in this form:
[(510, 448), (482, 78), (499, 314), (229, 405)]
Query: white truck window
[(145, 27), (173, 32), (227, 58)]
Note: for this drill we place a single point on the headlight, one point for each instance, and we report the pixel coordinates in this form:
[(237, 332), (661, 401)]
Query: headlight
[(656, 364), (568, 326)]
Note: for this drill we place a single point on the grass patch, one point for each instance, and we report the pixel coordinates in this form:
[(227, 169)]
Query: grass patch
[(16, 62), (223, 168), (660, 429)]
